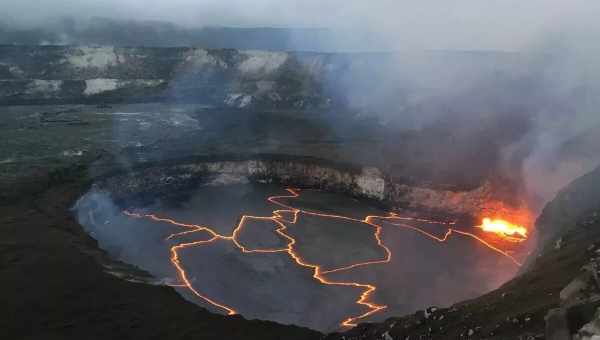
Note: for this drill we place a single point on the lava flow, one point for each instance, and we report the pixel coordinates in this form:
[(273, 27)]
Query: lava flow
[(505, 229), (289, 215)]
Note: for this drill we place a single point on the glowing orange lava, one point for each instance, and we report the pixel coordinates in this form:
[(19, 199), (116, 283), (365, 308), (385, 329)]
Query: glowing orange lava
[(504, 229), (289, 215)]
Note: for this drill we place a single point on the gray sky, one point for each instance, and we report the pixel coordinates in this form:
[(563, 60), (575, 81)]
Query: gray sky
[(453, 24)]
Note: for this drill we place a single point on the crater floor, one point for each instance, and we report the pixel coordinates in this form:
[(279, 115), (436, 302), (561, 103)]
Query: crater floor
[(306, 257)]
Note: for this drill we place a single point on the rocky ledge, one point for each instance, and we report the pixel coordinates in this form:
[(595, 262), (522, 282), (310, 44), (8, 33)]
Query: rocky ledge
[(358, 181)]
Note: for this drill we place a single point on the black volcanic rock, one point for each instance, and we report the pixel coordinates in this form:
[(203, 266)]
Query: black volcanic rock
[(572, 204)]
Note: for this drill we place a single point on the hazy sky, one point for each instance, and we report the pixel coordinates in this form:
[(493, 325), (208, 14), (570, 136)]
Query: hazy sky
[(460, 24)]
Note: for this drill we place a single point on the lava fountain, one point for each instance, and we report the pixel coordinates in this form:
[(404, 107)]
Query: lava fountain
[(504, 229)]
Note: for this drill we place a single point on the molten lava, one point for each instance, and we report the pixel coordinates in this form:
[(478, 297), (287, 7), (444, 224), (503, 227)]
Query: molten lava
[(289, 215), (505, 229)]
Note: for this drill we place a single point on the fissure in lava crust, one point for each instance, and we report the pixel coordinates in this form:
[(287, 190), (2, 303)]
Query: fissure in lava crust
[(288, 215)]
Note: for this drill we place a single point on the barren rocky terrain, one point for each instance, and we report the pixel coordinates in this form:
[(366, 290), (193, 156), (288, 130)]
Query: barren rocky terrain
[(265, 116)]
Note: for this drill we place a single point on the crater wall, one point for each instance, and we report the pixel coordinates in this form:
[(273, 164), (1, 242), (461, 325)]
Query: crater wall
[(365, 182), (234, 78)]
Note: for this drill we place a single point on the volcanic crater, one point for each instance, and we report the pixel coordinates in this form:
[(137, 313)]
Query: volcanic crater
[(294, 240)]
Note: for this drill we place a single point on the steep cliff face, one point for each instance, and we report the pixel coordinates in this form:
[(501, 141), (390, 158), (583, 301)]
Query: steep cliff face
[(233, 78), (106, 74), (367, 182)]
